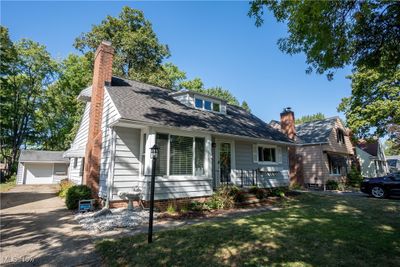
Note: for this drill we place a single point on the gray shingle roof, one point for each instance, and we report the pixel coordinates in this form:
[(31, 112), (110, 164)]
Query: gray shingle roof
[(42, 156), (315, 131), (151, 104)]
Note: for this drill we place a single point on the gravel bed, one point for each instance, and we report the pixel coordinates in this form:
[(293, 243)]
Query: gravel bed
[(119, 218)]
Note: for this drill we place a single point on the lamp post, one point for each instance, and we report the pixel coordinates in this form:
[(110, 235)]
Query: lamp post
[(154, 155)]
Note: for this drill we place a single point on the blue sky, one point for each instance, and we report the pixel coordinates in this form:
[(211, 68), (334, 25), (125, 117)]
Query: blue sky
[(215, 41)]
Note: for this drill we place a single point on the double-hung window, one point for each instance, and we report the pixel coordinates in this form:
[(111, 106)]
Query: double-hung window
[(340, 136), (180, 155), (266, 154)]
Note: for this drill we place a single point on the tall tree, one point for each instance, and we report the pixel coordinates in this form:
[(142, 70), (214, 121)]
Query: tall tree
[(23, 82), (309, 118), (333, 34), (58, 119), (138, 52)]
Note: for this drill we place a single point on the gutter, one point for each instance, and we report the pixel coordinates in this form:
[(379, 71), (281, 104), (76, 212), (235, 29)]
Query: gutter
[(202, 131)]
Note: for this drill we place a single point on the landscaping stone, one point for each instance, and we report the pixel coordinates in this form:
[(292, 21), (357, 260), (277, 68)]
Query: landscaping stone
[(102, 212), (118, 218)]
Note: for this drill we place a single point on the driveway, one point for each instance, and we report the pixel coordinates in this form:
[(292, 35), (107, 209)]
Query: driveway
[(37, 229)]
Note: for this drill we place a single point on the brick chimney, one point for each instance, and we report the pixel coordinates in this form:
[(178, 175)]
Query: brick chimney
[(288, 123), (102, 74), (288, 127)]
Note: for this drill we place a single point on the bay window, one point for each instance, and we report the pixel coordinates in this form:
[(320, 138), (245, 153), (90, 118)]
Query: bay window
[(182, 155)]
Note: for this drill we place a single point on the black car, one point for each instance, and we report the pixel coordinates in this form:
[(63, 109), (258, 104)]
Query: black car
[(382, 187)]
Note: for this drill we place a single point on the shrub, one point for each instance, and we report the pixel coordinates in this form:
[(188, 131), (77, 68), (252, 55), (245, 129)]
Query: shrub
[(76, 193), (223, 198), (354, 177), (332, 185), (171, 209), (196, 206), (64, 184), (279, 191)]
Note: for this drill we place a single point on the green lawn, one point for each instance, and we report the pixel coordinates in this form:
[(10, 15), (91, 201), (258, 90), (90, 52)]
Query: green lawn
[(310, 230), (4, 187)]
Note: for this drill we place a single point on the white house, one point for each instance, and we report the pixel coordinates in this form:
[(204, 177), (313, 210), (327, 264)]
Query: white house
[(371, 156), (203, 141)]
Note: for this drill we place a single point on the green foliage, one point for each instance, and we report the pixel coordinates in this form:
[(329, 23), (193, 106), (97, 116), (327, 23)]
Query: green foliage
[(332, 185), (392, 147), (246, 106), (279, 191), (58, 120), (374, 102), (354, 177), (260, 193), (64, 185), (334, 34), (196, 206), (309, 118), (223, 198), (138, 52), (171, 209), (76, 193), (27, 71)]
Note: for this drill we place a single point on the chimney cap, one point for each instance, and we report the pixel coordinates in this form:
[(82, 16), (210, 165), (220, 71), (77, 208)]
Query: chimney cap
[(108, 43), (287, 109)]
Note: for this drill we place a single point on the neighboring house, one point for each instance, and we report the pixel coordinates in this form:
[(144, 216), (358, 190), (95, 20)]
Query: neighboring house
[(41, 167), (204, 142), (371, 156), (323, 150), (393, 163)]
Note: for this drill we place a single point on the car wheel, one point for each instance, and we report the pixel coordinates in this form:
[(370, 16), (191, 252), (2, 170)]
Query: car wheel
[(378, 192)]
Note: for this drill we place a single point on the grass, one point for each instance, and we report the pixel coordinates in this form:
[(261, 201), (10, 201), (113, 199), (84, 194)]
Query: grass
[(4, 187), (310, 230)]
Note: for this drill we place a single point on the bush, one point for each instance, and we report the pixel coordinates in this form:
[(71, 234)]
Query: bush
[(279, 191), (196, 206), (64, 184), (171, 209), (332, 185), (76, 193), (223, 198), (354, 177)]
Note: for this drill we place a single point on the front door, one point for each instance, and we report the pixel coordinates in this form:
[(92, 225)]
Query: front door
[(225, 162)]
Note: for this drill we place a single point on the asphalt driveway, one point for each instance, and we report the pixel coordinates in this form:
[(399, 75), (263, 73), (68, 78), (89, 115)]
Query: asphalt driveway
[(37, 229)]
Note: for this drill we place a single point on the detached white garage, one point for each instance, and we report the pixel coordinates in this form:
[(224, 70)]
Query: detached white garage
[(41, 167)]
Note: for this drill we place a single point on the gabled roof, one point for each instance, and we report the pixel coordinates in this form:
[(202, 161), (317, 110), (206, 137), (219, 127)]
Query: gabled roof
[(315, 131), (371, 147), (143, 103), (42, 156)]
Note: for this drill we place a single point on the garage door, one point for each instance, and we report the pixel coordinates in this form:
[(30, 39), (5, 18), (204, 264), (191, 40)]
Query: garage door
[(39, 173)]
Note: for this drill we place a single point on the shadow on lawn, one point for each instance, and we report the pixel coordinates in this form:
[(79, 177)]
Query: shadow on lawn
[(311, 230)]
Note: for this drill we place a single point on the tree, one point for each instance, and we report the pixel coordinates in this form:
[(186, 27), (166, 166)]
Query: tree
[(58, 119), (138, 53), (24, 77), (309, 118), (246, 106), (195, 85), (374, 102), (334, 34)]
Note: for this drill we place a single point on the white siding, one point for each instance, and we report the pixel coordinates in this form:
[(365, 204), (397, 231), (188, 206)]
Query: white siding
[(83, 131), (20, 173), (110, 115), (126, 160), (245, 162), (74, 173)]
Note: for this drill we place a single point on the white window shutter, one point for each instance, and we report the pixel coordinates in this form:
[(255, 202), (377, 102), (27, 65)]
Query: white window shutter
[(279, 154), (255, 153)]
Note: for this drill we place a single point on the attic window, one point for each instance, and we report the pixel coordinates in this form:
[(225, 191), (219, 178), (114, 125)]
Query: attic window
[(207, 104), (340, 136)]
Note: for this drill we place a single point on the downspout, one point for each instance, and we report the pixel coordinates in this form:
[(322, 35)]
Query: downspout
[(111, 172), (322, 158)]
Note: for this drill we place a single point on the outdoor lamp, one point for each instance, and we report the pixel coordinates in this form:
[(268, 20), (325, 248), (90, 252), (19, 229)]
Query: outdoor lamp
[(154, 151)]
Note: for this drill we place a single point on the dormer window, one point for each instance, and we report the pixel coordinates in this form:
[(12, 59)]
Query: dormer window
[(200, 101)]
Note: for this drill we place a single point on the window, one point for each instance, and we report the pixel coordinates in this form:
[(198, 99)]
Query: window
[(181, 155), (82, 167), (216, 107), (199, 156), (186, 155), (198, 103), (340, 136), (161, 164), (334, 166), (266, 154), (75, 162), (207, 104), (143, 156)]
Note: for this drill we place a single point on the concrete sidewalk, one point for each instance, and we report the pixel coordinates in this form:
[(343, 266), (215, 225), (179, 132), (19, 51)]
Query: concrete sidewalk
[(37, 229)]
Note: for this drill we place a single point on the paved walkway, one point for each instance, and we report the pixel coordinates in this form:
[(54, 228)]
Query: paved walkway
[(37, 229)]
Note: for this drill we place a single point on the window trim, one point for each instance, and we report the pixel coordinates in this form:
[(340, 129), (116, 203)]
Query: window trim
[(168, 175), (270, 147), (212, 101)]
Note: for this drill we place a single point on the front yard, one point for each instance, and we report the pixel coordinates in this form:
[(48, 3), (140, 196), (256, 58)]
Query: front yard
[(309, 230)]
